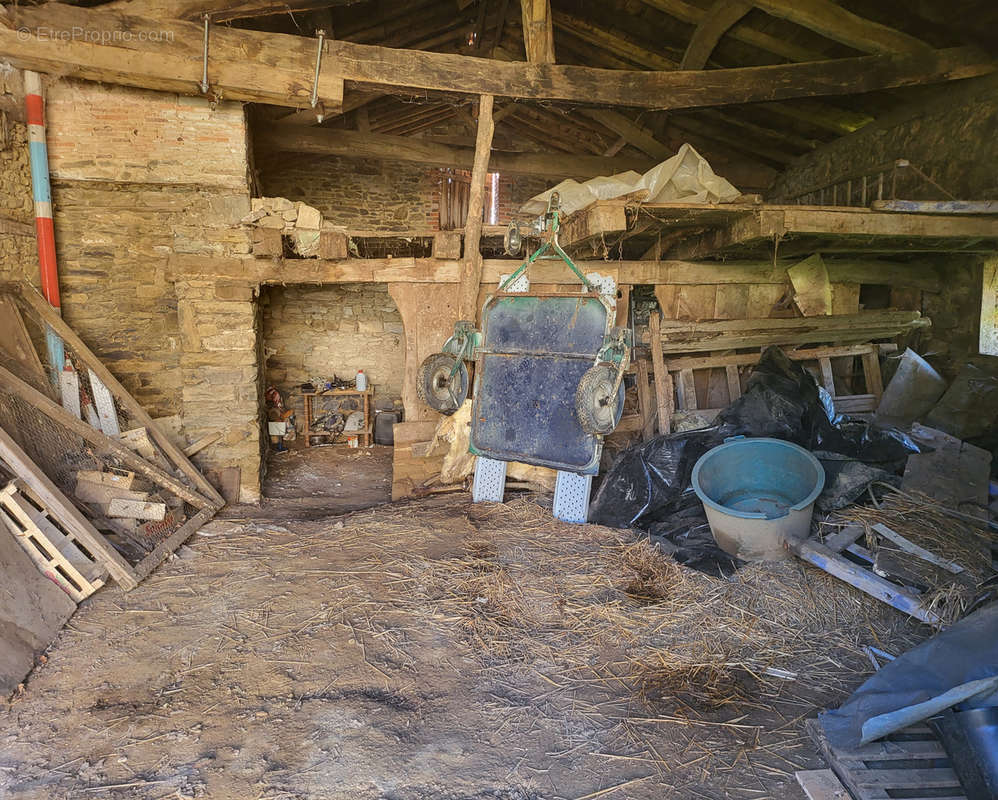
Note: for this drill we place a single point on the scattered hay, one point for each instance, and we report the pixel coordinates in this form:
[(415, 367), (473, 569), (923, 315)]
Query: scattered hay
[(924, 521)]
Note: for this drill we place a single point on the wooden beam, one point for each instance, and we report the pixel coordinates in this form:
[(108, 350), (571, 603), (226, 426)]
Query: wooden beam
[(630, 131), (719, 18), (538, 34), (837, 23), (606, 39), (775, 222), (916, 275), (220, 10), (775, 44), (281, 67), (471, 270), (327, 141)]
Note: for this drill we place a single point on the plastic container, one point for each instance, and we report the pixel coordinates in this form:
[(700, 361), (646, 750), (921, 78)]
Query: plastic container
[(758, 493), (361, 381), (384, 427)]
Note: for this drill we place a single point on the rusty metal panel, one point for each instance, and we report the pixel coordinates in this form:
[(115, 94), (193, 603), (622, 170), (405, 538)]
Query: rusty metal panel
[(535, 350)]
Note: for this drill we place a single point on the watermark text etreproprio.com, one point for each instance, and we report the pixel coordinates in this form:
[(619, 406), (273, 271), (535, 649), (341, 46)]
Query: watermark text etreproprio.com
[(92, 35)]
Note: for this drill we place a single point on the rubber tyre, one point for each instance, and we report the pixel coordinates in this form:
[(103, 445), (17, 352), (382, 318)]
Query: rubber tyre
[(598, 414), (436, 387)]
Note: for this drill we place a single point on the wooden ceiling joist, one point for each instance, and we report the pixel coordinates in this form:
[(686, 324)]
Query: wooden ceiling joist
[(538, 35), (630, 131), (841, 25), (281, 67), (607, 39), (220, 10), (718, 19), (327, 141)]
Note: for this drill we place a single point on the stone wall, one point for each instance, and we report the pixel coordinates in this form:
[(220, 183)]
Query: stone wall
[(375, 195), (139, 177), (18, 254), (314, 332), (951, 135)]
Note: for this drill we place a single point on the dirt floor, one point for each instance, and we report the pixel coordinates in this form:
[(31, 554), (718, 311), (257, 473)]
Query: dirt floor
[(303, 483), (439, 649)]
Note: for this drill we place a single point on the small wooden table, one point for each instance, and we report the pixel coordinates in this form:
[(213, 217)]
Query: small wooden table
[(365, 396)]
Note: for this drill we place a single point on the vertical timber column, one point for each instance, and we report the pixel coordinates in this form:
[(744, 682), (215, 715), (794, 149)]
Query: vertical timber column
[(221, 376), (538, 31), (471, 268)]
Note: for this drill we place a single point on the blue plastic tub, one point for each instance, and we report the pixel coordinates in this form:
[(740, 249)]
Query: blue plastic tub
[(758, 493)]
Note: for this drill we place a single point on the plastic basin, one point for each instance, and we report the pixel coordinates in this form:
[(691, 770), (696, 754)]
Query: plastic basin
[(758, 493)]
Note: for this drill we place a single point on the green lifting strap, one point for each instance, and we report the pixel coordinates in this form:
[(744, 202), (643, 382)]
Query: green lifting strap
[(551, 243)]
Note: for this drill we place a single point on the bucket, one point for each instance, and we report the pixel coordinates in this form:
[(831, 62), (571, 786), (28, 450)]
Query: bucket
[(915, 388), (758, 493)]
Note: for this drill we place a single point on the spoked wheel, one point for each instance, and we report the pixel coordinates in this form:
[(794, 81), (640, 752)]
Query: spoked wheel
[(597, 405), (442, 387)]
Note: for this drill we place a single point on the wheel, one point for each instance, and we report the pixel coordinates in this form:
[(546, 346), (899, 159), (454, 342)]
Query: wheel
[(596, 405), (436, 387)]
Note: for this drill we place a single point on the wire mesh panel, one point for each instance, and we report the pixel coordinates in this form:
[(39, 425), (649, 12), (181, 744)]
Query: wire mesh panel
[(94, 443)]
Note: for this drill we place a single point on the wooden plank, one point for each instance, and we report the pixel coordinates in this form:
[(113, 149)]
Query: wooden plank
[(936, 206), (103, 493), (135, 411), (16, 342), (447, 244), (731, 301), (687, 391), (645, 401), (67, 513), (734, 382), (122, 480), (200, 444), (909, 546), (695, 303), (538, 32), (931, 778), (171, 543), (471, 270), (827, 377), (104, 403), (821, 784), (863, 579), (280, 67), (663, 383), (871, 373), (69, 391)]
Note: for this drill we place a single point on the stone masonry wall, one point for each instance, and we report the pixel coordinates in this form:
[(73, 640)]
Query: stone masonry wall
[(314, 332), (18, 254), (952, 136), (139, 177), (375, 195)]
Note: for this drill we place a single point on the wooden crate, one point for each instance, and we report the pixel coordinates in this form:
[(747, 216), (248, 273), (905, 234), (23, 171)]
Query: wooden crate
[(910, 763), (59, 556)]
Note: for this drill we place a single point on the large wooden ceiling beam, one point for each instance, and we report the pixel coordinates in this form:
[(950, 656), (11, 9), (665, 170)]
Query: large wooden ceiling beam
[(324, 141), (837, 23), (278, 68), (220, 10), (538, 34), (715, 23)]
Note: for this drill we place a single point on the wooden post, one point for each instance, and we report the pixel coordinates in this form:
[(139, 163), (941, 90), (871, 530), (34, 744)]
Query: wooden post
[(538, 32), (663, 383), (471, 268)]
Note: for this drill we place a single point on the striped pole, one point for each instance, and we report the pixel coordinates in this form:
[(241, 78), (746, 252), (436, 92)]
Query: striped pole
[(44, 228)]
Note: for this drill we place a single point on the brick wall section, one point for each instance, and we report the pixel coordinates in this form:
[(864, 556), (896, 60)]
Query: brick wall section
[(313, 332), (952, 137)]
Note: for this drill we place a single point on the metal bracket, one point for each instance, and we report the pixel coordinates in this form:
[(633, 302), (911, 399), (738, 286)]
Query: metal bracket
[(204, 55), (318, 66)]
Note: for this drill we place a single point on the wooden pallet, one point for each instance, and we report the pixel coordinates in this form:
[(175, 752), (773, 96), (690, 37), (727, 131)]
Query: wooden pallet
[(828, 556), (910, 763), (59, 556)]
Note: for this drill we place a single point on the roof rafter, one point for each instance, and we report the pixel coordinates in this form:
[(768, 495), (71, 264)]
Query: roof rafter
[(715, 23)]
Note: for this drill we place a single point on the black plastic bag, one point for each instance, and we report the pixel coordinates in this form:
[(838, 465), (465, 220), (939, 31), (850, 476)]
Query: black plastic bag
[(782, 401)]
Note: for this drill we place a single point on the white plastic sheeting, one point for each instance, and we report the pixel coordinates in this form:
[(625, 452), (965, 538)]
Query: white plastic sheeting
[(686, 177)]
